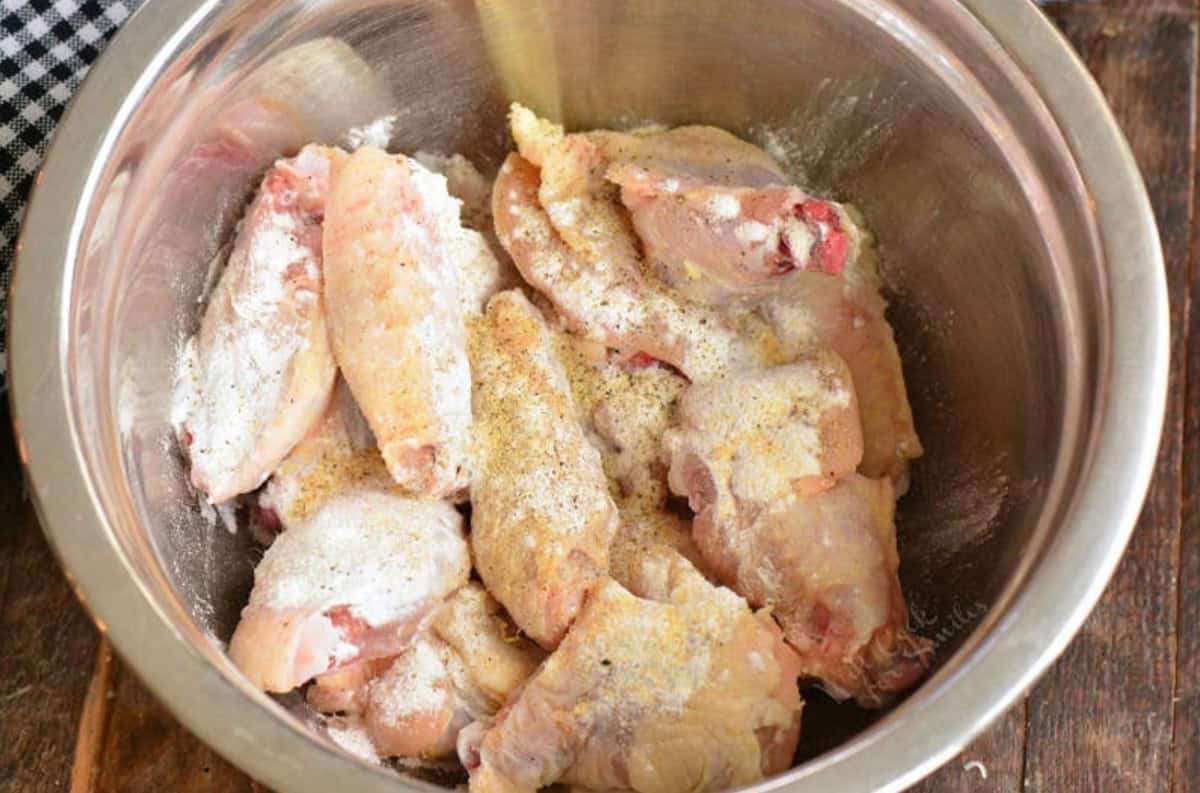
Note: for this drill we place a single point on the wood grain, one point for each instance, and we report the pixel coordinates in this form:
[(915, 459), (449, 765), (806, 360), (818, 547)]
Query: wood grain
[(143, 749), (1185, 768), (46, 646), (1102, 719), (993, 762)]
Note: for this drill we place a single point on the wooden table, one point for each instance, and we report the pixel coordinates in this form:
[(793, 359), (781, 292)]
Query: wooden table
[(72, 718)]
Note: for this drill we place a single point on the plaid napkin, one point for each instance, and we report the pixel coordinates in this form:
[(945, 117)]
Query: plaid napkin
[(46, 47)]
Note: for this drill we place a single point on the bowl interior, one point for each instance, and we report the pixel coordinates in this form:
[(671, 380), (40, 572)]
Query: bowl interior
[(989, 253)]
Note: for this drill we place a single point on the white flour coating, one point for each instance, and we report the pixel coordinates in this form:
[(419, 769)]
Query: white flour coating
[(757, 434), (751, 232), (237, 383), (614, 311), (384, 556), (723, 206), (352, 738), (480, 272), (442, 339), (377, 133), (417, 682)]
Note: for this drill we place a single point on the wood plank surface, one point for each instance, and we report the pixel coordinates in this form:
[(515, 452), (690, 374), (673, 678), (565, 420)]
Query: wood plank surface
[(1120, 712), (1185, 769), (46, 646), (993, 762), (142, 749), (1102, 720)]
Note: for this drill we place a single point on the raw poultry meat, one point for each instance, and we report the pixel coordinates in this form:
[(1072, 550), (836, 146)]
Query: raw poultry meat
[(462, 667), (846, 314), (542, 518), (337, 455), (606, 300), (762, 436), (827, 566), (351, 583), (682, 689), (627, 405), (700, 328), (486, 268), (394, 246), (768, 463), (258, 373), (714, 243), (713, 215)]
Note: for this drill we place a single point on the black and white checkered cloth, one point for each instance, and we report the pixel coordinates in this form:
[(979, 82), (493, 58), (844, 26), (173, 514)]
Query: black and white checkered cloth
[(46, 47)]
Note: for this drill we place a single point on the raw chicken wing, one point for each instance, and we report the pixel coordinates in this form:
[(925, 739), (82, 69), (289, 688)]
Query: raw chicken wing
[(827, 565), (768, 465), (418, 705), (336, 456), (394, 249), (846, 314), (351, 583), (486, 268), (685, 692), (629, 406), (257, 375), (461, 668), (464, 669), (542, 517), (713, 243), (607, 300)]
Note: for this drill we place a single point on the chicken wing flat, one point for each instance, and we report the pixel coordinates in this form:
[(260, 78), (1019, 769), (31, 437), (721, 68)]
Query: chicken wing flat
[(258, 374), (542, 518), (337, 455), (687, 692), (394, 250), (768, 461), (351, 583)]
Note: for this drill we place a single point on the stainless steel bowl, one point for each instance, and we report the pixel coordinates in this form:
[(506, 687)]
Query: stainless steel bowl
[(1027, 284)]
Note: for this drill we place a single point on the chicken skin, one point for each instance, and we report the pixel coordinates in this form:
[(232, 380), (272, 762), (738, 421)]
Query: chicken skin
[(607, 301), (350, 584), (762, 436), (258, 374), (714, 243), (338, 455), (768, 464), (463, 667), (393, 250), (627, 405), (846, 314), (542, 516), (683, 689)]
